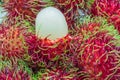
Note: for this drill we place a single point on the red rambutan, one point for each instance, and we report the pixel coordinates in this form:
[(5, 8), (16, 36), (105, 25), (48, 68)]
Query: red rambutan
[(91, 26), (108, 8), (58, 74), (69, 9), (22, 10), (89, 29), (105, 7), (115, 20), (99, 57), (11, 42), (12, 74), (43, 50)]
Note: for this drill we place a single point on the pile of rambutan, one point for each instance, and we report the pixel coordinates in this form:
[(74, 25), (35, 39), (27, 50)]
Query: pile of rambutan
[(109, 9), (90, 51)]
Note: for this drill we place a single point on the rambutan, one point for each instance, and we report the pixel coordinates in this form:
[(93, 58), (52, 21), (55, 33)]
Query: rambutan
[(13, 74), (10, 70), (115, 20), (89, 26), (92, 25), (70, 10), (109, 9), (44, 50), (69, 59), (105, 7), (99, 57), (12, 42), (58, 74), (22, 10)]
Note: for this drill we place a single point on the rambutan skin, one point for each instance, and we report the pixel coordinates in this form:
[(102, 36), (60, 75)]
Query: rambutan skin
[(109, 9), (105, 7), (44, 50), (12, 42), (115, 20), (22, 10), (58, 74), (69, 9), (10, 74), (98, 57)]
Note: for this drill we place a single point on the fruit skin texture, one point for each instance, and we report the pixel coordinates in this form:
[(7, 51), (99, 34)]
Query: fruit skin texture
[(22, 10), (98, 58), (105, 7), (12, 74), (12, 42), (45, 50), (109, 9), (115, 20), (69, 9), (58, 74)]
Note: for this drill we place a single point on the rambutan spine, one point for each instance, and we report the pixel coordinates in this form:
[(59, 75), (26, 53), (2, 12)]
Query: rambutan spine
[(12, 42), (98, 58)]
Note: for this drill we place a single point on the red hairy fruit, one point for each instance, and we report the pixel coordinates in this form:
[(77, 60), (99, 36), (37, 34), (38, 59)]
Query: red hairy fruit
[(99, 57), (19, 10), (105, 7), (11, 42), (108, 8), (115, 20), (60, 74), (89, 29), (44, 49), (12, 74), (70, 9)]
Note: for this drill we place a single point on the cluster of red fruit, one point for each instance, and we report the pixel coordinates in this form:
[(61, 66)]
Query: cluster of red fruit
[(90, 51)]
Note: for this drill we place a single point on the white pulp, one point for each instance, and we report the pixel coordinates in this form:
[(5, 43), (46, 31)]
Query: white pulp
[(51, 23)]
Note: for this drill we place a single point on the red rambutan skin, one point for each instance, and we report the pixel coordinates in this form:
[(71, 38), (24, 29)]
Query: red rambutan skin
[(43, 50), (108, 8), (97, 58), (11, 42), (115, 20), (19, 10), (69, 9), (10, 74), (90, 28), (105, 7), (58, 74)]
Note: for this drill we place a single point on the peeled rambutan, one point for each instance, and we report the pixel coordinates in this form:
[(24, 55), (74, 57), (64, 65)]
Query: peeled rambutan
[(99, 58), (44, 50), (12, 42), (22, 10)]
